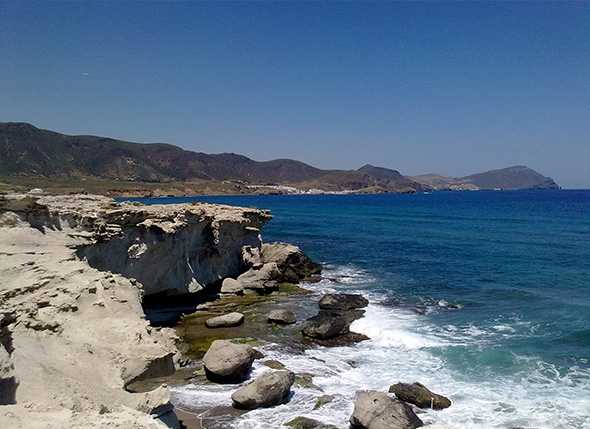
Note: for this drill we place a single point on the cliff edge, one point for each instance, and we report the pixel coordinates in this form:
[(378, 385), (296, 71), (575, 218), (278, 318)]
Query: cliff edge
[(74, 270)]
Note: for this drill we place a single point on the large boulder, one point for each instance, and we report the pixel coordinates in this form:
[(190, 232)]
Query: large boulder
[(376, 410), (225, 320), (342, 302), (291, 261), (262, 279), (307, 423), (326, 325), (419, 395), (230, 285), (226, 362), (269, 389), (282, 317)]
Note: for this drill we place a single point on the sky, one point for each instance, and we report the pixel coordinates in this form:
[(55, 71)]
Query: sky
[(449, 88)]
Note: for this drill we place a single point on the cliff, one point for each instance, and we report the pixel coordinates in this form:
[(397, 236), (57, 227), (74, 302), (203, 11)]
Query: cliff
[(74, 270)]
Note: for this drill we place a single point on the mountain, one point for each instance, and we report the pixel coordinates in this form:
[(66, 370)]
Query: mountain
[(27, 151), (510, 178)]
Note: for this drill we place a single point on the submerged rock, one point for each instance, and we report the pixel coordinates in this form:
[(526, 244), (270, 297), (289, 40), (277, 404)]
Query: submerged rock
[(274, 364), (376, 410), (307, 423), (343, 301), (226, 320), (323, 400), (226, 362), (284, 317), (269, 389), (419, 395)]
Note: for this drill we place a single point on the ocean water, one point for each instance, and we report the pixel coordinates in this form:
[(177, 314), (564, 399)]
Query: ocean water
[(481, 296)]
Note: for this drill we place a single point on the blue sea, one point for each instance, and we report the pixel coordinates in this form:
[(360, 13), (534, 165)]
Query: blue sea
[(481, 296)]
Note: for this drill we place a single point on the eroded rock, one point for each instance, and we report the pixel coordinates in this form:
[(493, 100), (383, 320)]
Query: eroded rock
[(376, 410), (342, 302), (291, 261), (268, 389)]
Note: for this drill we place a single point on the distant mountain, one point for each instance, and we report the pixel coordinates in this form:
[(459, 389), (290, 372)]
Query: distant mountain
[(510, 178), (29, 151)]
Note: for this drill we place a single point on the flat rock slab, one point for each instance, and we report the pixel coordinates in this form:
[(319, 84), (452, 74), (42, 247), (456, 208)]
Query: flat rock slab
[(225, 321)]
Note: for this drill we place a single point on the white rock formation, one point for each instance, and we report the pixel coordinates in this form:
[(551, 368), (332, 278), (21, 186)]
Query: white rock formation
[(73, 269)]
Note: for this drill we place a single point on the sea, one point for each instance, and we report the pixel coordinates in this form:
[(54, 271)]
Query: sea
[(481, 296)]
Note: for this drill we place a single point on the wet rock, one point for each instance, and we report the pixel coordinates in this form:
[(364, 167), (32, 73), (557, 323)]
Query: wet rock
[(274, 364), (419, 395), (342, 301), (283, 317), (291, 261), (226, 362), (305, 380), (225, 321), (326, 325), (307, 423), (269, 389), (376, 410), (323, 400)]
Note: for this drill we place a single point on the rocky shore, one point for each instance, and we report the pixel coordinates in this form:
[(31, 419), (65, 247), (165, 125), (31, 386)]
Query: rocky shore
[(76, 347)]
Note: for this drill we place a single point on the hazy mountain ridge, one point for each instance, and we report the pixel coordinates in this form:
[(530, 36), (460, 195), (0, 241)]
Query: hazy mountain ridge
[(27, 151)]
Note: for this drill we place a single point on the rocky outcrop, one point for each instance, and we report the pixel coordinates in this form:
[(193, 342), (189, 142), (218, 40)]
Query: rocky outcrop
[(376, 410), (419, 395), (331, 326), (342, 302), (275, 263), (282, 317), (225, 320), (226, 362), (294, 265), (269, 389), (73, 335)]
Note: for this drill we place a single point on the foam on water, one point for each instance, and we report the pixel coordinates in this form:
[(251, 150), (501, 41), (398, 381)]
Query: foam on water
[(404, 346)]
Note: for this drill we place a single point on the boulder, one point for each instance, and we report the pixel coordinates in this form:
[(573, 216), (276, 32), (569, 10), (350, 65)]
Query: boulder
[(226, 362), (326, 325), (291, 261), (251, 257), (342, 302), (419, 395), (307, 423), (225, 320), (323, 400), (283, 317), (376, 410), (269, 389), (230, 285), (274, 364), (262, 279)]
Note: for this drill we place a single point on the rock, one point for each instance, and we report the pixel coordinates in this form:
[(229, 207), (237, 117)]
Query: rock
[(260, 280), (251, 257), (325, 325), (274, 364), (291, 261), (226, 362), (269, 389), (284, 317), (305, 380), (342, 301), (230, 285), (307, 423), (420, 396), (376, 410), (225, 321), (323, 400)]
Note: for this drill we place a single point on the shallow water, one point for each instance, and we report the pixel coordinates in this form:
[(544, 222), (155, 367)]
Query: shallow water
[(482, 296)]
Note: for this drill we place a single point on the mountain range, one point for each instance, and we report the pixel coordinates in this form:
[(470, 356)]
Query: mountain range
[(27, 152)]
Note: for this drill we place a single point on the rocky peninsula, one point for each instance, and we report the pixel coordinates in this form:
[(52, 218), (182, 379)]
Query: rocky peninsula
[(77, 349)]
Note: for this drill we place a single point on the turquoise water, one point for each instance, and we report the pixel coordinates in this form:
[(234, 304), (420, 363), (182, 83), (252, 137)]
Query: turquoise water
[(483, 295)]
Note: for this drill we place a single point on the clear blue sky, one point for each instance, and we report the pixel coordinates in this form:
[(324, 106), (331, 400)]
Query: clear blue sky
[(449, 88)]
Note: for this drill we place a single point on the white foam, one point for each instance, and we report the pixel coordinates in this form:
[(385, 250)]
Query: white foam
[(401, 348)]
